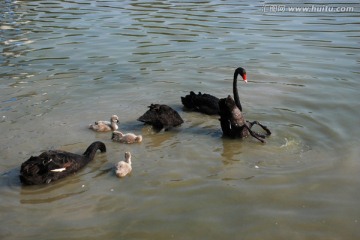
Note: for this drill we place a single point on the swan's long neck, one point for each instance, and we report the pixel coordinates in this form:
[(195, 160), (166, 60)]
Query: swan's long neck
[(113, 125), (91, 150), (235, 90), (128, 157)]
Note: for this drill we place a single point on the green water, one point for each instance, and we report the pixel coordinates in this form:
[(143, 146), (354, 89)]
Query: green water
[(65, 64)]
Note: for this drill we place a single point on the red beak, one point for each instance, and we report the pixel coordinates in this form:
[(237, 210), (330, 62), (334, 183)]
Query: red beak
[(244, 77)]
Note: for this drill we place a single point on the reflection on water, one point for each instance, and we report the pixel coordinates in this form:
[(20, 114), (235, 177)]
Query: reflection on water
[(34, 196), (66, 64)]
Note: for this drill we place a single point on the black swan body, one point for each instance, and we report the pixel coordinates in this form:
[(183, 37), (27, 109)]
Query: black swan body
[(161, 116), (209, 104), (233, 123), (204, 103), (52, 165)]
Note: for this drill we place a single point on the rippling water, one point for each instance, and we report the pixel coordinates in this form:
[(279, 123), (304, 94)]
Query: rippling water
[(65, 64)]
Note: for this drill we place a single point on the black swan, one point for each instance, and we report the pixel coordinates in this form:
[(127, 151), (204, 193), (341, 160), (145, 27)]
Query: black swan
[(161, 116), (204, 103), (209, 104), (233, 123), (56, 164)]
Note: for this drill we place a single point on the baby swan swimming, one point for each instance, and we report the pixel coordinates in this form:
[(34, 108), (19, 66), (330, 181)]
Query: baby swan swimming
[(123, 168), (126, 138), (106, 126)]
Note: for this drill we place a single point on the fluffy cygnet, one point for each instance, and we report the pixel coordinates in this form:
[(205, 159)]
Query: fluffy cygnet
[(106, 126), (123, 168), (126, 138)]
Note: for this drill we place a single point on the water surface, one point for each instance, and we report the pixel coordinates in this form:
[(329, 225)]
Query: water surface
[(65, 64)]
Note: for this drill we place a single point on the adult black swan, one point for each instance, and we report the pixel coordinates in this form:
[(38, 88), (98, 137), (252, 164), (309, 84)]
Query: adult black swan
[(209, 104), (233, 123), (161, 116), (56, 164), (204, 103)]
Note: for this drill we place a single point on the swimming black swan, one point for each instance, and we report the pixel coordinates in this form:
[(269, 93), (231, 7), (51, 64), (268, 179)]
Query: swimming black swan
[(56, 164), (161, 116), (209, 104), (233, 123), (204, 103)]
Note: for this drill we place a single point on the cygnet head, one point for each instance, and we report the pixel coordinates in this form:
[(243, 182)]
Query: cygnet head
[(116, 135), (138, 139), (128, 157), (114, 119)]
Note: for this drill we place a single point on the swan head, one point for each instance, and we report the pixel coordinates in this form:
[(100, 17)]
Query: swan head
[(138, 139), (242, 72), (116, 135), (114, 119)]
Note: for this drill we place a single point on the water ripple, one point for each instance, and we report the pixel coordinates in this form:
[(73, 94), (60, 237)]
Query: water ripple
[(66, 63)]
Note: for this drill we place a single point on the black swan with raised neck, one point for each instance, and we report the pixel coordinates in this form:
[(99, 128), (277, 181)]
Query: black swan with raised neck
[(161, 116), (209, 104), (52, 165), (232, 120)]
